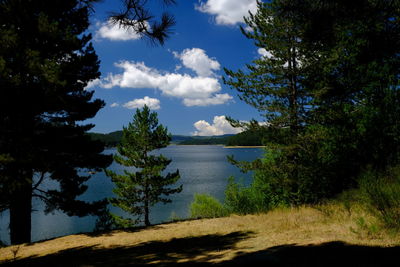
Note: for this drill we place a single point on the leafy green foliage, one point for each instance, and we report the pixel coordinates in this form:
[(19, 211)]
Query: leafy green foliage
[(206, 206), (137, 191), (244, 200), (382, 195)]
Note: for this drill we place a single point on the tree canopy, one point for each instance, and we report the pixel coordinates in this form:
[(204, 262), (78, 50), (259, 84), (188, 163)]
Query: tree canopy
[(137, 191), (328, 86), (46, 61)]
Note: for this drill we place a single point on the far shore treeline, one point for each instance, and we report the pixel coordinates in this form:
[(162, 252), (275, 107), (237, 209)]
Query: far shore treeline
[(246, 138)]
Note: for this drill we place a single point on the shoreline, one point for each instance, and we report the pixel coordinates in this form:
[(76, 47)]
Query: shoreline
[(244, 146), (224, 146)]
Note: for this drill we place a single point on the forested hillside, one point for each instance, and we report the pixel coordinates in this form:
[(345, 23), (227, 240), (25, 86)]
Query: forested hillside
[(113, 138), (246, 138)]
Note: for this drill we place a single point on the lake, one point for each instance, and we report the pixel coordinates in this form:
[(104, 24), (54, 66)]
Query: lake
[(203, 169)]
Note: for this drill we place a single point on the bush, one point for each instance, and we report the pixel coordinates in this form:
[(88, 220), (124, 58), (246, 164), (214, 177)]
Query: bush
[(382, 194), (206, 206), (244, 200)]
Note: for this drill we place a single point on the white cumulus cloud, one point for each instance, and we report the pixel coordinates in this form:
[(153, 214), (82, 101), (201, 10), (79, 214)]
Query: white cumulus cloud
[(152, 103), (114, 32), (197, 60), (218, 99), (219, 126), (228, 12), (114, 105), (138, 75), (193, 90)]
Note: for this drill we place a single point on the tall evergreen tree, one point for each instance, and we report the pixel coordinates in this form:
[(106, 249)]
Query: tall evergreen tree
[(46, 61), (273, 84), (348, 76), (353, 76), (138, 191), (356, 76)]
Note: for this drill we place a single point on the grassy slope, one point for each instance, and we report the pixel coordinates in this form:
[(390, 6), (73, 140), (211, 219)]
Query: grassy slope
[(327, 236)]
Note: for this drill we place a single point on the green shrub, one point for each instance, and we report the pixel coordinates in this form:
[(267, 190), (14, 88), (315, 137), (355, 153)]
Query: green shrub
[(206, 206), (382, 194), (244, 200)]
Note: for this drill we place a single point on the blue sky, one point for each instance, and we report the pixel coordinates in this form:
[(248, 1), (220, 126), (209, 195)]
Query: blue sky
[(180, 80)]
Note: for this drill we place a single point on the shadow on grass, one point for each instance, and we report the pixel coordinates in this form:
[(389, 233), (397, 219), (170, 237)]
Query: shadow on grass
[(136, 228), (326, 254), (200, 249), (110, 232)]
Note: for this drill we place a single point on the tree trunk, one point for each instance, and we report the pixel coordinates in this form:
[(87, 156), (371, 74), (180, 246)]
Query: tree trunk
[(20, 213), (146, 206), (146, 214)]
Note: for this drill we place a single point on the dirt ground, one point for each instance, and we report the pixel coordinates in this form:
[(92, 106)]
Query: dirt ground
[(287, 237)]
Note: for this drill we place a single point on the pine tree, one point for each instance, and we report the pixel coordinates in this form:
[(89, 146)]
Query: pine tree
[(343, 93), (356, 78), (138, 191), (273, 84), (136, 16), (46, 61)]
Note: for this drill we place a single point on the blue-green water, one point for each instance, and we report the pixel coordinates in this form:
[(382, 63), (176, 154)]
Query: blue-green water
[(203, 169)]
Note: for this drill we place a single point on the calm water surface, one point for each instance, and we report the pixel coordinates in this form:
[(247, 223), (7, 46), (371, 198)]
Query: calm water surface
[(203, 169)]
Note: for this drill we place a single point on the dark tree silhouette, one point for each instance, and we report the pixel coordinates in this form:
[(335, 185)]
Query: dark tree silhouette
[(46, 61), (136, 16)]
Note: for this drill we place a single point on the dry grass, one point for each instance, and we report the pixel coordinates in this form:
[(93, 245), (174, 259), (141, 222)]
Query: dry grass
[(259, 238)]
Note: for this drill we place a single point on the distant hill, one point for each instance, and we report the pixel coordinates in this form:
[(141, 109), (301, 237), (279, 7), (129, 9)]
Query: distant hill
[(112, 139), (207, 140), (247, 138)]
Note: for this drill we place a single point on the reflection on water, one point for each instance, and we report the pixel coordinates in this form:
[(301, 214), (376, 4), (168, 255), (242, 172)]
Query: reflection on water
[(203, 169)]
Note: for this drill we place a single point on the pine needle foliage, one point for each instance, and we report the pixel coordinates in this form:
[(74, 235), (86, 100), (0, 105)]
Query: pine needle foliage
[(136, 191), (274, 85), (46, 62), (328, 84)]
